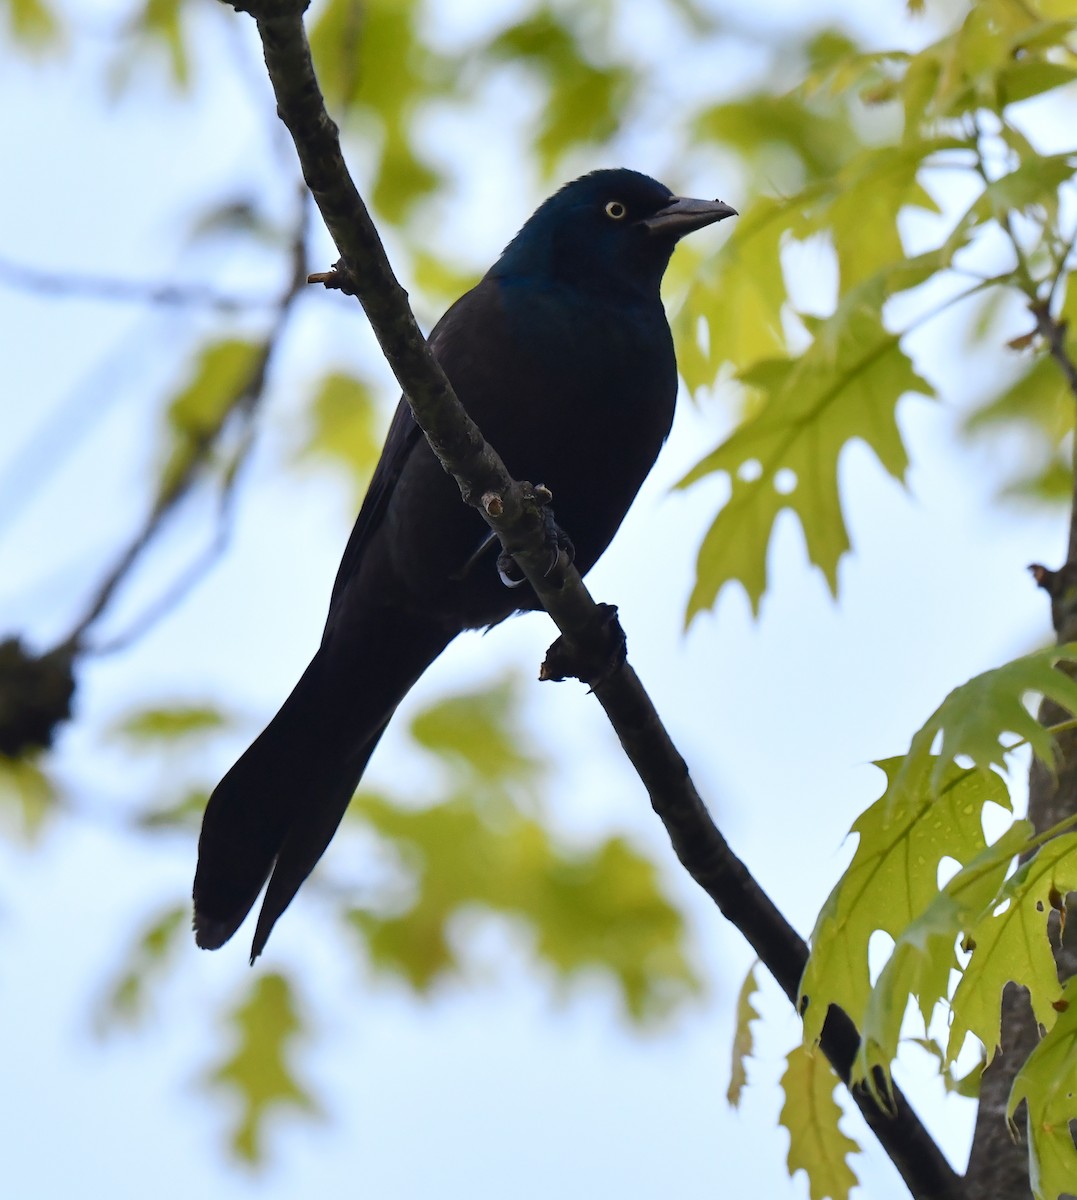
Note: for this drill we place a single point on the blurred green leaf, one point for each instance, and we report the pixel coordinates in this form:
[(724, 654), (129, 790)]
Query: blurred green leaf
[(1038, 407), (127, 999), (828, 50), (33, 23), (794, 140), (27, 796), (221, 378), (170, 724), (162, 19), (1000, 55), (266, 1027), (1037, 401), (157, 26), (1032, 184), (872, 190), (481, 731), (586, 101), (345, 428), (439, 281), (371, 61), (598, 910), (811, 1115), (184, 813), (604, 911), (1022, 80), (1052, 484), (736, 296)]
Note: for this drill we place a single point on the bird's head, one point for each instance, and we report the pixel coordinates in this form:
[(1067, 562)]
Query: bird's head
[(611, 227)]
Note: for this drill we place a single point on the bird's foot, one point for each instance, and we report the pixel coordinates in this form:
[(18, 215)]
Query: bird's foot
[(605, 652), (554, 538)]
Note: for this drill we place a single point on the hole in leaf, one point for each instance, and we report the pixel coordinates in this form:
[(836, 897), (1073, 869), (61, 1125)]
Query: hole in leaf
[(948, 868)]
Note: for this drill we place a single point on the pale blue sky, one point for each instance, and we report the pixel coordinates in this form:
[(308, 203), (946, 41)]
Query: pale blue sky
[(494, 1088)]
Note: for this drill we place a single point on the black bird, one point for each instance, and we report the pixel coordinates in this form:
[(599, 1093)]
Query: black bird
[(563, 357)]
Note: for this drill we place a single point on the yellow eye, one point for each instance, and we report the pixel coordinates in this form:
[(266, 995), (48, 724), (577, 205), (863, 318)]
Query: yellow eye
[(615, 210)]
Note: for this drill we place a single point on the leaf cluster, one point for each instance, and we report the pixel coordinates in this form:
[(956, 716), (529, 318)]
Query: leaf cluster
[(862, 149), (966, 916), (854, 161)]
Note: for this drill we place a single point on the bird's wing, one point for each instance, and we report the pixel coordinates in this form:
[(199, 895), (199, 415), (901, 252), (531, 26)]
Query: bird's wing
[(450, 343), (404, 435)]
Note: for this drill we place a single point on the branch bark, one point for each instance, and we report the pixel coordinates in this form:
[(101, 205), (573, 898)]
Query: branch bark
[(512, 511)]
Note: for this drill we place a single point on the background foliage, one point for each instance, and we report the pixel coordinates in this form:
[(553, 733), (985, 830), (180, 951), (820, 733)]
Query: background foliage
[(888, 190)]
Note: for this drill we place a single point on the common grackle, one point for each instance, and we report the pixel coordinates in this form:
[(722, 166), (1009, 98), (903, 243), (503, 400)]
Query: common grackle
[(563, 357)]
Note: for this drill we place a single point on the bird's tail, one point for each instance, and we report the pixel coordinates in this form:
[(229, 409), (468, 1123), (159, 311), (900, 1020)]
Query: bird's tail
[(277, 809)]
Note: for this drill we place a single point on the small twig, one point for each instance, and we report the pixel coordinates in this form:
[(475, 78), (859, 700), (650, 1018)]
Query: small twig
[(337, 278), (1053, 331), (173, 595), (1060, 270), (1025, 276), (65, 285)]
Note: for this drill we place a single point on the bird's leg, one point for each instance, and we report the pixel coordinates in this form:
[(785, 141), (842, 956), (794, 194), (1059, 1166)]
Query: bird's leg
[(553, 535), (605, 651)]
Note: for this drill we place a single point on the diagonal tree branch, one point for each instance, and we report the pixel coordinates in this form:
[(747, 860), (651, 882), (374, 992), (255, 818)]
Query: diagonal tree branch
[(511, 509), (177, 489)]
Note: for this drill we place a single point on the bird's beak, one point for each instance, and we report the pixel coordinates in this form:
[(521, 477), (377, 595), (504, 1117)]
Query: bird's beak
[(682, 215)]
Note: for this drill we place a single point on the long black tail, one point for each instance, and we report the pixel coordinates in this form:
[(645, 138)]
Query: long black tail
[(277, 809)]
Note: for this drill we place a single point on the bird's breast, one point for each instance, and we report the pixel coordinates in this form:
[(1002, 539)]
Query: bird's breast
[(579, 395), (574, 392)]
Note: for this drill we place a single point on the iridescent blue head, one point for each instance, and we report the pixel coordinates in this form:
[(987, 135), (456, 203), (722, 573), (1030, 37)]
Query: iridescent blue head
[(611, 228)]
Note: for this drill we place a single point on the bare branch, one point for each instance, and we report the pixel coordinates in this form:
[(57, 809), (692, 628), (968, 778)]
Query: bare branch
[(65, 285), (179, 488)]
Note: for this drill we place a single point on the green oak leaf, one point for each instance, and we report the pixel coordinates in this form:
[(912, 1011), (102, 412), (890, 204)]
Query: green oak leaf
[(845, 386), (811, 1115), (743, 1042), (974, 717), (924, 954), (893, 877), (1010, 942)]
